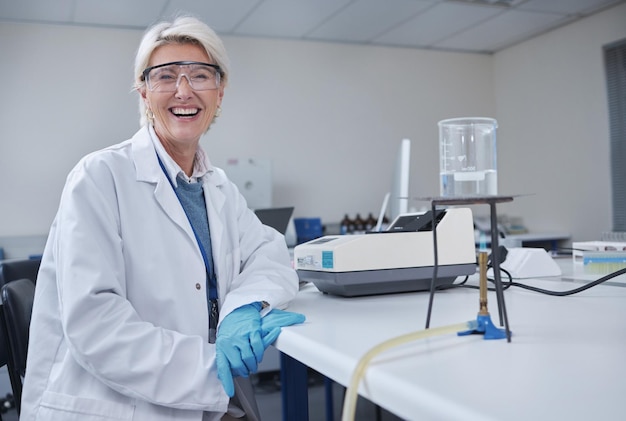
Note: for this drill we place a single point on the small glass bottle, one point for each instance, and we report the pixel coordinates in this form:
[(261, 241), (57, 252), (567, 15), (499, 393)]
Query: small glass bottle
[(344, 225), (370, 222), (359, 224)]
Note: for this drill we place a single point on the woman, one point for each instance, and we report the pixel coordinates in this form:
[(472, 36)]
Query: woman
[(152, 245)]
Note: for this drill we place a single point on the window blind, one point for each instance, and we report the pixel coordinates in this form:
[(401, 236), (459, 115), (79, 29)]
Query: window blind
[(615, 65)]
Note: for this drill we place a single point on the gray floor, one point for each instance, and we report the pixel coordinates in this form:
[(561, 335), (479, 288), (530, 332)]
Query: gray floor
[(268, 396)]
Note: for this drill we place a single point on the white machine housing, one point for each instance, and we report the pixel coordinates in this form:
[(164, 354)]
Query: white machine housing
[(387, 262)]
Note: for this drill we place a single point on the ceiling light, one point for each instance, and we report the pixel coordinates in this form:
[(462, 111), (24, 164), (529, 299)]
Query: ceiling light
[(502, 3)]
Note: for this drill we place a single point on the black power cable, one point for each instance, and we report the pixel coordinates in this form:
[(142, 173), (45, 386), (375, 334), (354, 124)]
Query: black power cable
[(511, 283), (572, 291)]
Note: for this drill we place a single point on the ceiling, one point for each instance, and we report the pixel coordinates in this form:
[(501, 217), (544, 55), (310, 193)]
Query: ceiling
[(477, 26)]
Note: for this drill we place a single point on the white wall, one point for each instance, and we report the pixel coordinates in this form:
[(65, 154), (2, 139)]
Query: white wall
[(330, 116), (65, 93), (553, 139)]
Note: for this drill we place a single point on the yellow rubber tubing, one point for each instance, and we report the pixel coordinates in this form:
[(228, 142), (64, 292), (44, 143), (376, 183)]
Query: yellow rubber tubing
[(349, 403)]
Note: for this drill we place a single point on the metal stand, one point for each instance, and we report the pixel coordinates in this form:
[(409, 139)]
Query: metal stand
[(473, 200)]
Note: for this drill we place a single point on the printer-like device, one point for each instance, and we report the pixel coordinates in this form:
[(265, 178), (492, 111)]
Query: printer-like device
[(400, 259)]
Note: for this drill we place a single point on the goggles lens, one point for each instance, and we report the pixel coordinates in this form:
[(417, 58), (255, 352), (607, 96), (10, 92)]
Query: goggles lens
[(167, 77)]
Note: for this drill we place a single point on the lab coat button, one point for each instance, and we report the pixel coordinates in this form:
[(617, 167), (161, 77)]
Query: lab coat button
[(198, 286)]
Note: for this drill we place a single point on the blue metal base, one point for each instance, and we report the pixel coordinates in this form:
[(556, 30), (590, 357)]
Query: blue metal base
[(485, 328)]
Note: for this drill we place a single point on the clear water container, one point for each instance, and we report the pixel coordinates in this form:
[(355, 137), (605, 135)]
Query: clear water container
[(467, 157)]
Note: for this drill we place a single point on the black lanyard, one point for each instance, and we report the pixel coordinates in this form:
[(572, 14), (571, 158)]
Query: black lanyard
[(210, 274)]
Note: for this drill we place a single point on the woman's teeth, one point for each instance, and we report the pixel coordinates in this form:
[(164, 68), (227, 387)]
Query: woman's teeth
[(184, 112)]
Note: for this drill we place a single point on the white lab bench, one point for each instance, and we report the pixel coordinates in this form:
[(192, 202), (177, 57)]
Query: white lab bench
[(565, 360)]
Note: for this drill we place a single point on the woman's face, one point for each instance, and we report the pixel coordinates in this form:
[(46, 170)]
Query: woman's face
[(182, 116)]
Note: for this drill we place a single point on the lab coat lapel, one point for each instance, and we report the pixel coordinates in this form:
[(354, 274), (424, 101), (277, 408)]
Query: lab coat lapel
[(165, 196), (214, 199), (148, 170)]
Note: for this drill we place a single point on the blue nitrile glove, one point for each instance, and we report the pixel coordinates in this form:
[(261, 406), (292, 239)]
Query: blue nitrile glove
[(239, 345), (275, 320)]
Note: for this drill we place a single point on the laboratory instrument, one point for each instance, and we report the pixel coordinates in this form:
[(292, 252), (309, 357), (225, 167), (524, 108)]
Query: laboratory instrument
[(529, 262), (400, 259), (467, 157), (399, 195), (484, 326)]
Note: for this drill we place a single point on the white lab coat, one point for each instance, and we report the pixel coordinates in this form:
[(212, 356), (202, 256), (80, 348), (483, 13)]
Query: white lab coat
[(119, 329)]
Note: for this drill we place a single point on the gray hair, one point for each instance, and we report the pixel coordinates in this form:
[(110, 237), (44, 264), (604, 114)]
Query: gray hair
[(182, 30)]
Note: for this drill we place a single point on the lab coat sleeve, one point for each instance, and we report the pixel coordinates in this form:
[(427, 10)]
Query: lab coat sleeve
[(103, 331), (265, 271)]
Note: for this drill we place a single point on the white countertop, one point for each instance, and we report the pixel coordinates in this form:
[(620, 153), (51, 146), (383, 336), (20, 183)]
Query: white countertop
[(566, 360)]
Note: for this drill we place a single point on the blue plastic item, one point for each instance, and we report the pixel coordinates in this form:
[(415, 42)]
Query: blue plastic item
[(239, 345), (307, 229), (277, 319), (486, 328)]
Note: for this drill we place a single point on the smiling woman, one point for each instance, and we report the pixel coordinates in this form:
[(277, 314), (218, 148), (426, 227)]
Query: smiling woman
[(181, 111), (151, 247), (181, 82)]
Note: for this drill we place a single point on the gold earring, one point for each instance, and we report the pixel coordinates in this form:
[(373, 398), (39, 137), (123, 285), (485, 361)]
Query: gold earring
[(150, 115)]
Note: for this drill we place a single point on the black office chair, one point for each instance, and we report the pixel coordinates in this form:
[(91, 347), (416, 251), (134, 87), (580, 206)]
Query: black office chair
[(17, 306), (11, 270)]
